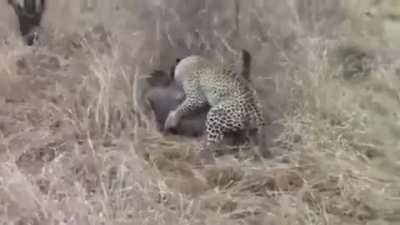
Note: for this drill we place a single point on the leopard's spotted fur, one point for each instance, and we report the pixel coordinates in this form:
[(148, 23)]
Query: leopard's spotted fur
[(233, 102)]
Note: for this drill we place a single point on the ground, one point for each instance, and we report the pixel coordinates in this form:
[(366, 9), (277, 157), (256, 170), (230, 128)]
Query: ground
[(76, 148)]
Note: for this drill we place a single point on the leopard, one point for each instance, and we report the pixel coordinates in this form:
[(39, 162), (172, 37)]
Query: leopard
[(161, 94), (234, 103)]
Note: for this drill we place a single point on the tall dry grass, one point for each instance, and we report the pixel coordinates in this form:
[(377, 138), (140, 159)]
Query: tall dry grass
[(78, 147)]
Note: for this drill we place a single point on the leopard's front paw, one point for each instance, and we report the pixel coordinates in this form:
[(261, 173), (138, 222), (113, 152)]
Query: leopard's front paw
[(171, 121)]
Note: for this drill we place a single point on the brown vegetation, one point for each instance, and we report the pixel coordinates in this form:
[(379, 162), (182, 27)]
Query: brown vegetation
[(77, 148)]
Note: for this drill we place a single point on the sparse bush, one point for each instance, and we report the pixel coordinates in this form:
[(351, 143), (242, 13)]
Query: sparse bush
[(355, 62)]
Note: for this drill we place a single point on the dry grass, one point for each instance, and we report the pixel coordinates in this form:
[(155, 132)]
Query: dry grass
[(77, 148)]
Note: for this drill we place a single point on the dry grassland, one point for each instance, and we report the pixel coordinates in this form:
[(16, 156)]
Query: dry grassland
[(78, 147)]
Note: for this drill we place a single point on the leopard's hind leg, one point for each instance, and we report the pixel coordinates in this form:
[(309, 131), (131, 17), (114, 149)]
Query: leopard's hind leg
[(228, 116)]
